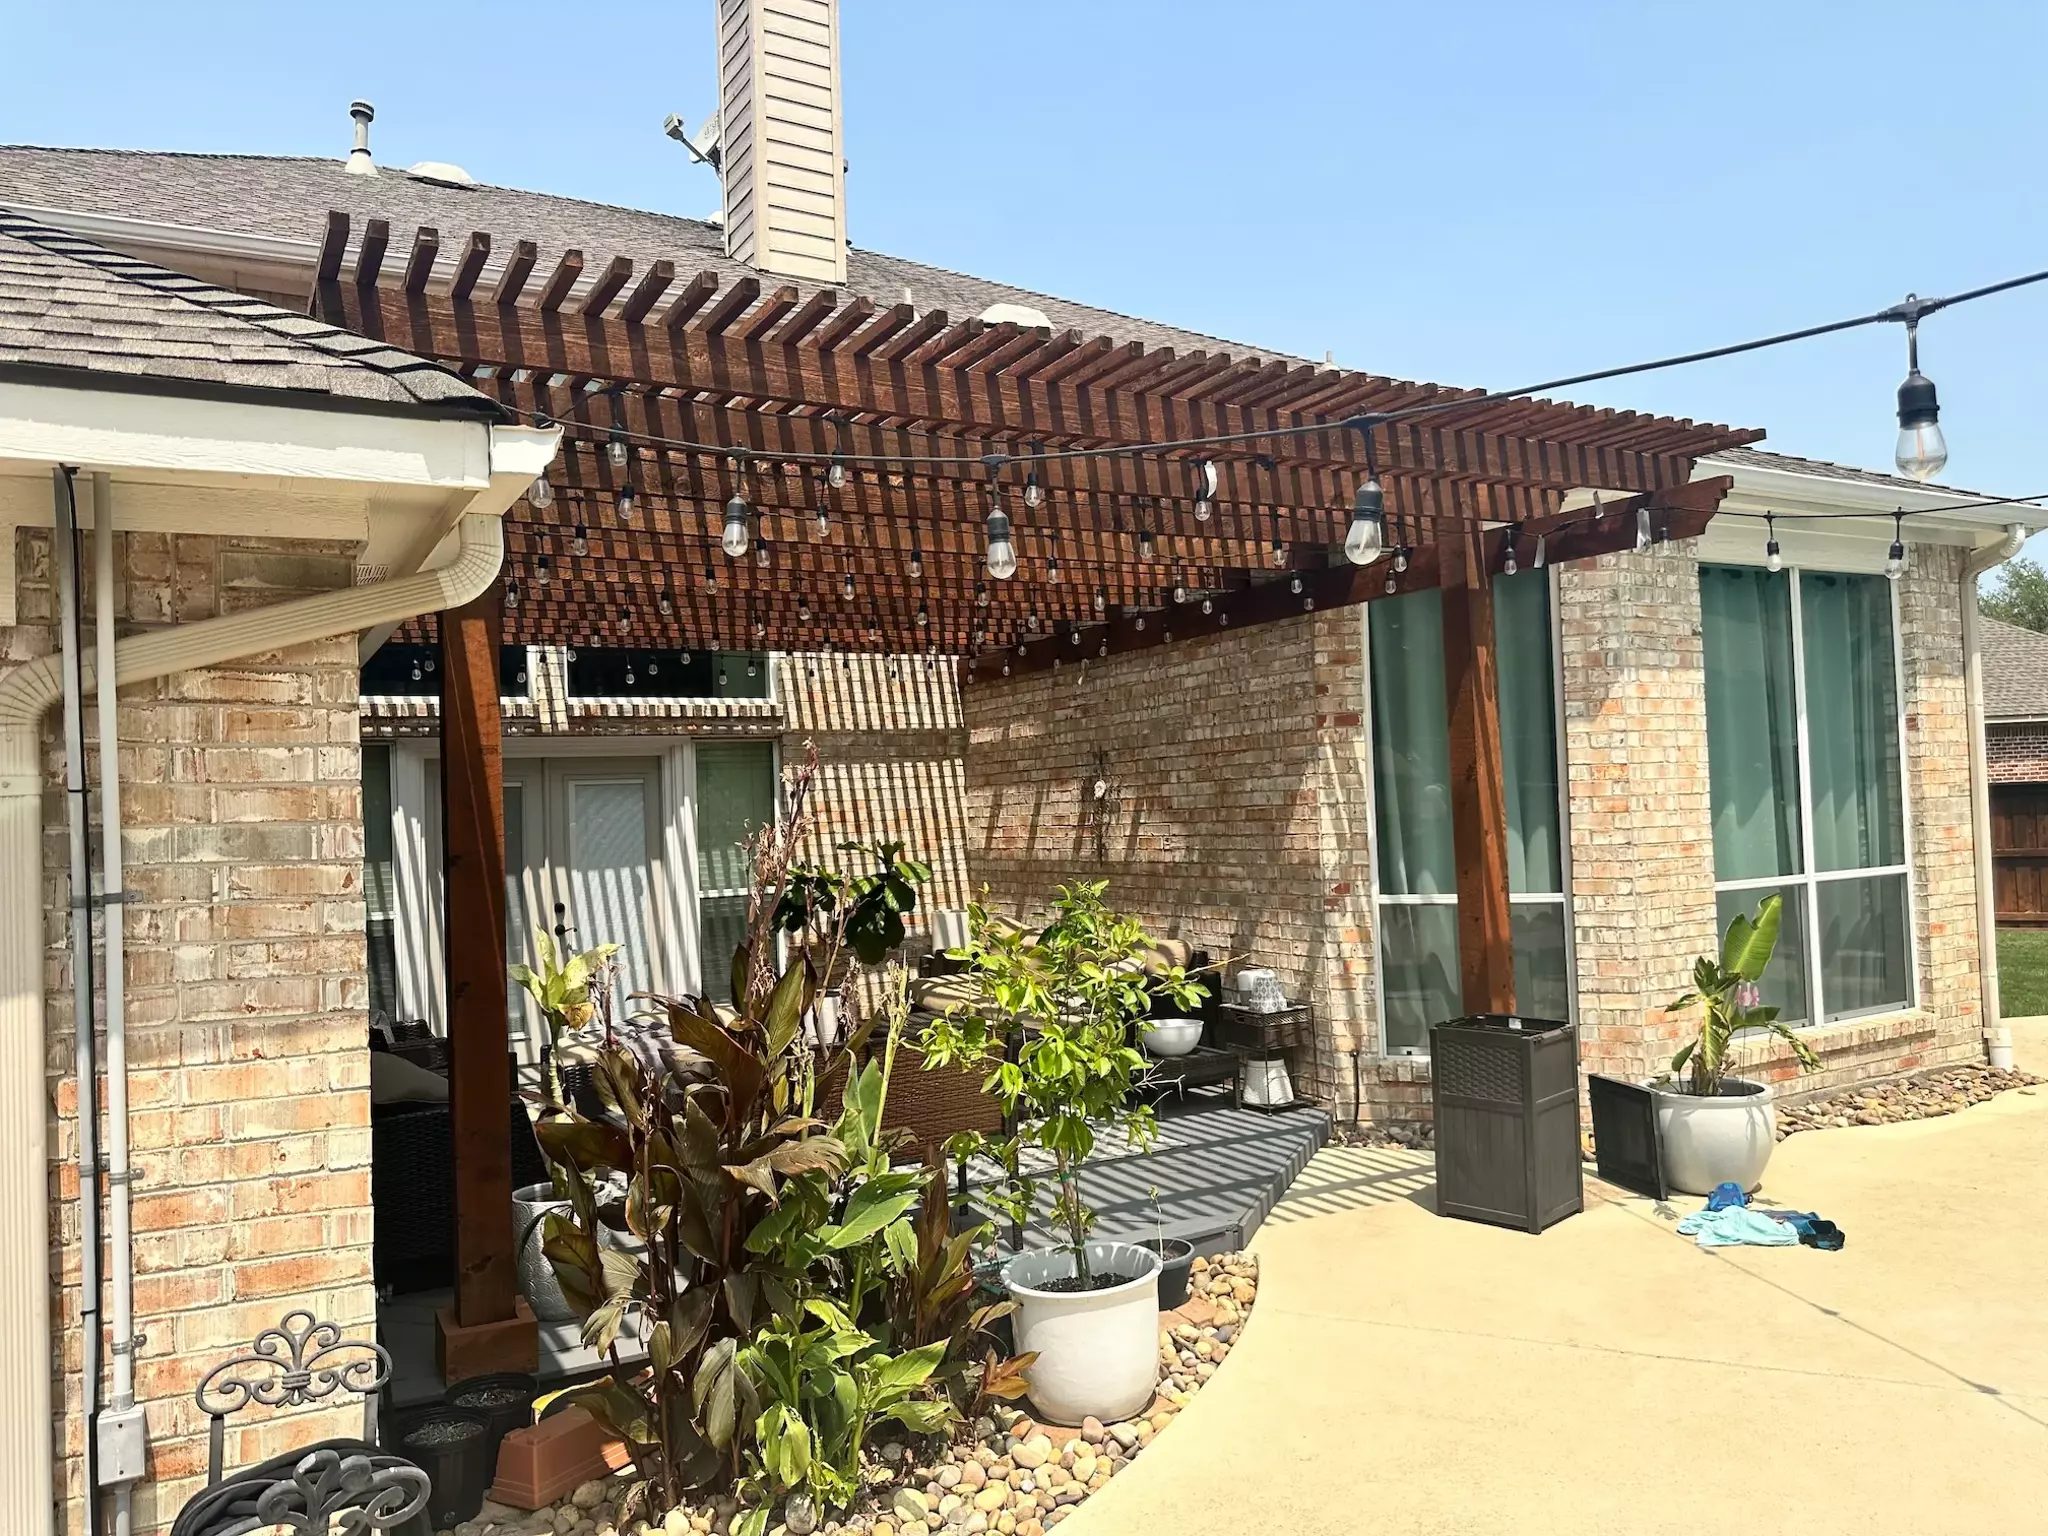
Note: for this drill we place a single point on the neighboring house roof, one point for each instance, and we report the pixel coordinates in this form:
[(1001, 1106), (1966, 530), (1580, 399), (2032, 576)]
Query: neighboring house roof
[(1822, 469), (289, 197), (2015, 672), (71, 309)]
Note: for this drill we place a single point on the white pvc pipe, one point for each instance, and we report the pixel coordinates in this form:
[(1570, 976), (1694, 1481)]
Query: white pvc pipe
[(1997, 1038), (26, 694)]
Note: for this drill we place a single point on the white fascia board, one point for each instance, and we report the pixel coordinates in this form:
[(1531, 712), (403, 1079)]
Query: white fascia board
[(115, 430), (1792, 492)]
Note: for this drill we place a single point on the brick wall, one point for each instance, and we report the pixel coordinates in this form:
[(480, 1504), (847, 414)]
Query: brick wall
[(1234, 808), (2017, 751), (250, 1109), (1642, 849)]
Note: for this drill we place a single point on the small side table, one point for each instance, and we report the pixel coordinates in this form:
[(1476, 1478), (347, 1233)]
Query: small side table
[(1266, 1037)]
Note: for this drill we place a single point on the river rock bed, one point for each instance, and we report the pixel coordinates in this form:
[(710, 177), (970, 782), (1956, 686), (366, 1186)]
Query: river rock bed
[(1004, 1473), (1923, 1096)]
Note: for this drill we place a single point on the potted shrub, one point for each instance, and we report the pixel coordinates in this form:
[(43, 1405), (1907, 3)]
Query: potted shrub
[(1052, 1020), (1716, 1128)]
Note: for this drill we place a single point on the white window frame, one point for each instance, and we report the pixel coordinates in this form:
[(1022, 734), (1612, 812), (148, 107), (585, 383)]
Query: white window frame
[(1382, 899), (1808, 882)]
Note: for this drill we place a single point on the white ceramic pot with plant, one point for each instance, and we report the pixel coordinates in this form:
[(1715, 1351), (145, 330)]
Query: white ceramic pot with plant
[(1714, 1128), (1050, 1019), (537, 1281)]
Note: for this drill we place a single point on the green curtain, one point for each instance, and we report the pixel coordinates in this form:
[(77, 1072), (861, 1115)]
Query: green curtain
[(1411, 748), (1528, 730), (735, 799), (1752, 721), (1852, 721)]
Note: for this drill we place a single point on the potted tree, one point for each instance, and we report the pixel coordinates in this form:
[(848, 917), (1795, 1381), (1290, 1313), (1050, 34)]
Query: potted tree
[(1052, 1021), (1716, 1128)]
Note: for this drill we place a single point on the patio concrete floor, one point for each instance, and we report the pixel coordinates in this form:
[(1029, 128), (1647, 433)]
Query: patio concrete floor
[(1406, 1375)]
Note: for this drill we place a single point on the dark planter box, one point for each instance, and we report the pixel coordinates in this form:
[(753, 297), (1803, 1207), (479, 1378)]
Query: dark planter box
[(1506, 1091), (450, 1445), (505, 1399)]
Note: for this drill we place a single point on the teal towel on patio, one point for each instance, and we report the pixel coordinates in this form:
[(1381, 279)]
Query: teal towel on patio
[(1736, 1226)]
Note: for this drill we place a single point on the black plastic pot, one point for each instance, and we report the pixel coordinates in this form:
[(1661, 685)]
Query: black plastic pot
[(505, 1399), (1176, 1263), (449, 1445)]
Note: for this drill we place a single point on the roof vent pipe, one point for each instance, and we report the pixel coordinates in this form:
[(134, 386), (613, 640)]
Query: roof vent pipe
[(359, 162)]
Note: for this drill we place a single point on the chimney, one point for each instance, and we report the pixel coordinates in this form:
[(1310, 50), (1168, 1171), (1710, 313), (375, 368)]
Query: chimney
[(359, 162), (784, 169)]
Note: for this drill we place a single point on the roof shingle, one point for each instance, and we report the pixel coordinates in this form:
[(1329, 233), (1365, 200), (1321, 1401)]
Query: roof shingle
[(67, 303), (2015, 672)]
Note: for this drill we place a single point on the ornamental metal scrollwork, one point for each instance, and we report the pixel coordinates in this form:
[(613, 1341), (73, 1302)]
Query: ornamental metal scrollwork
[(348, 1495), (302, 1360)]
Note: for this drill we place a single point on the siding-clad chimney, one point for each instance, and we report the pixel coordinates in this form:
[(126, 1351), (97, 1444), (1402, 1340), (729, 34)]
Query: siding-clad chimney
[(784, 165)]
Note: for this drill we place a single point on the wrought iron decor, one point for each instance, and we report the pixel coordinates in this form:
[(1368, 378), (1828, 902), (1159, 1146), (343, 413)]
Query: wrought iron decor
[(347, 1495), (301, 1360)]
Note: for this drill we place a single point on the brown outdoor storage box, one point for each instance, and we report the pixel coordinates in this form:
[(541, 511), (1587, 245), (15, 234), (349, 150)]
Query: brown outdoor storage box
[(1506, 1091)]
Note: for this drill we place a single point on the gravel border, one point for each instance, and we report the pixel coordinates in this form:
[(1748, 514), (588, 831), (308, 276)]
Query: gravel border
[(1922, 1096)]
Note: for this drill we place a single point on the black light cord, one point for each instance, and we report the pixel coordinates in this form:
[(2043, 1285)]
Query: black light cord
[(1907, 312)]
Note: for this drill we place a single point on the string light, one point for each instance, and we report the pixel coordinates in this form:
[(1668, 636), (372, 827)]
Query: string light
[(540, 494), (846, 587), (1277, 555), (1002, 554), (1101, 600), (1774, 558), (1294, 584), (803, 609), (1921, 450), (511, 594), (824, 514), (710, 579), (923, 616), (1508, 564), (1034, 493), (1145, 544), (736, 539), (1208, 605), (543, 571), (1895, 558), (624, 503), (579, 542), (981, 594), (1401, 560), (1206, 481), (1643, 533), (761, 554), (1366, 539), (666, 604), (616, 448), (916, 555)]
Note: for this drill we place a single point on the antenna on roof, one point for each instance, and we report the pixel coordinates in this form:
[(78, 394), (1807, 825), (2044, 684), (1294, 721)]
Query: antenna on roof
[(359, 162), (704, 148)]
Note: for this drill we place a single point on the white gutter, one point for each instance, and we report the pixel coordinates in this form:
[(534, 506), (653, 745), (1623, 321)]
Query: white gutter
[(1997, 1038), (26, 694)]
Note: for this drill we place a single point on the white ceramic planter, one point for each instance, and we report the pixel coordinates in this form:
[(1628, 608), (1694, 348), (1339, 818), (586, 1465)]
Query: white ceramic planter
[(1098, 1351), (1170, 1037), (1726, 1139), (537, 1282)]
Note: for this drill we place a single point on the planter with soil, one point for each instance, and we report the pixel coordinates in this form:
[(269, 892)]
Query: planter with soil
[(505, 1399), (1095, 1337), (1176, 1260), (449, 1445), (1714, 1139)]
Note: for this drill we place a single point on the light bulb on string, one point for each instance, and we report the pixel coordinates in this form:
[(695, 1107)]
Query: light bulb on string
[(511, 594), (540, 495), (630, 678), (1509, 565), (736, 537), (1034, 493), (666, 604), (1101, 600), (625, 503), (761, 554), (1922, 450), (981, 594), (653, 666), (923, 616), (1774, 558), (1208, 605), (1002, 552), (1294, 584), (916, 562), (846, 589), (1145, 544), (1180, 593), (1139, 623), (1643, 533), (1206, 481), (616, 448), (543, 571), (1031, 621), (803, 608), (579, 542), (1895, 558), (415, 671), (1393, 586), (710, 580), (1366, 539), (835, 473), (1401, 560)]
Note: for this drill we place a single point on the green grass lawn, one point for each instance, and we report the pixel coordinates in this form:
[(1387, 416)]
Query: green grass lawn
[(2022, 972)]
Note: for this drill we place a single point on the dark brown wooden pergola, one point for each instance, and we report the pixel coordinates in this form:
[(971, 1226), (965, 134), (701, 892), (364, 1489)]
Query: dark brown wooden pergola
[(717, 390)]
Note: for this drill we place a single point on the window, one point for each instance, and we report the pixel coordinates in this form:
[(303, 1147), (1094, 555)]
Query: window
[(414, 671), (380, 883), (1415, 887), (1804, 767), (735, 799)]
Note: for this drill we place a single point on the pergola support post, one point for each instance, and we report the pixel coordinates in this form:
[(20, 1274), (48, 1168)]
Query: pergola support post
[(1479, 815), (489, 1328)]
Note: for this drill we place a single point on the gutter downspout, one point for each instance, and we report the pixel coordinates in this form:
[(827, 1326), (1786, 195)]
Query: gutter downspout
[(26, 694), (1997, 1038)]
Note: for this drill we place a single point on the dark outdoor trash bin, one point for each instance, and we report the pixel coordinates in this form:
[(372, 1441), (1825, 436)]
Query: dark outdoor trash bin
[(1506, 1090)]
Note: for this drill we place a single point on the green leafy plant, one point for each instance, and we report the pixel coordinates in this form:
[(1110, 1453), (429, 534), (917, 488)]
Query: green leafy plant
[(1052, 1019), (561, 988), (1724, 992), (751, 1243), (866, 911)]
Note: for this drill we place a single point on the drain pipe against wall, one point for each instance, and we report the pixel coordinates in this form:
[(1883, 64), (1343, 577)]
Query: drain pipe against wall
[(1997, 1038), (26, 694)]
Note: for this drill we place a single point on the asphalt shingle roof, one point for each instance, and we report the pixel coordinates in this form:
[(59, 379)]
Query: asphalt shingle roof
[(1823, 469), (2015, 672), (69, 304), (289, 197)]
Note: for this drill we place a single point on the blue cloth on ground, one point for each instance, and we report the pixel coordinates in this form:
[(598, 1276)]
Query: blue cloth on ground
[(1725, 1195), (1737, 1226)]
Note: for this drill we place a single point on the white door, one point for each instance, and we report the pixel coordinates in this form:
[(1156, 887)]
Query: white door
[(604, 862)]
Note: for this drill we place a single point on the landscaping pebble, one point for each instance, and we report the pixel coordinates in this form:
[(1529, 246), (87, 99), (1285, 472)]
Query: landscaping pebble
[(1005, 1475), (1923, 1096), (1413, 1138)]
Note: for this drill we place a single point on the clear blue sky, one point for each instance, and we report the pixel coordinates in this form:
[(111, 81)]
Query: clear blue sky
[(1469, 193)]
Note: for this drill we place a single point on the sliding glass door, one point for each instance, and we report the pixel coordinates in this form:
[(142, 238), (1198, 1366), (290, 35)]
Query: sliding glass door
[(1415, 864), (1803, 758)]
